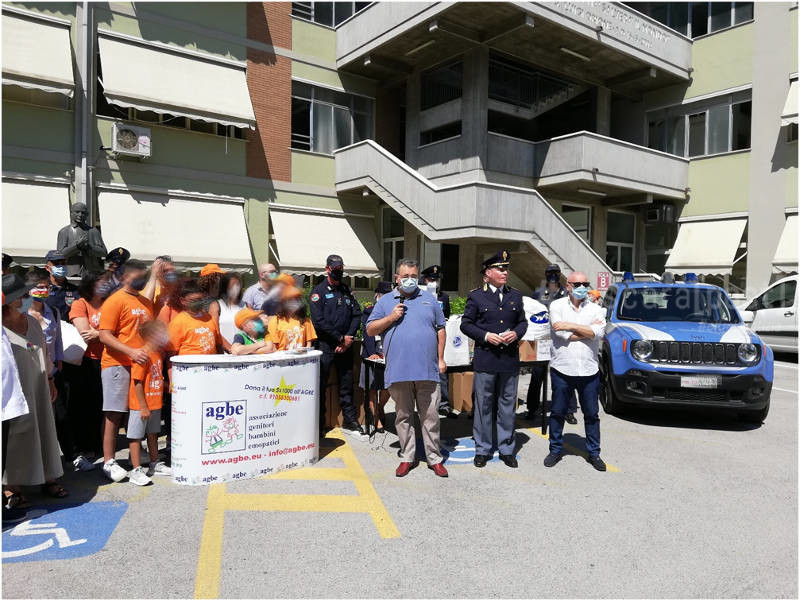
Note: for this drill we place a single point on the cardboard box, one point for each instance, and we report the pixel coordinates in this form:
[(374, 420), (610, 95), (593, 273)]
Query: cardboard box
[(527, 350), (461, 391)]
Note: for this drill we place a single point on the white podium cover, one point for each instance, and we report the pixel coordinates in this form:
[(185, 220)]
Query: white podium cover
[(242, 417)]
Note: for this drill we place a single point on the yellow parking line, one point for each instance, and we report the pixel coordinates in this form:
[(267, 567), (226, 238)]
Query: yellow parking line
[(209, 561), (584, 454)]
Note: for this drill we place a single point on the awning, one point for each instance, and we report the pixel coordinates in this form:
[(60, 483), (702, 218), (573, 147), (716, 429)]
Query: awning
[(706, 246), (789, 115), (37, 54), (192, 231), (304, 241), (786, 254), (32, 214), (166, 82)]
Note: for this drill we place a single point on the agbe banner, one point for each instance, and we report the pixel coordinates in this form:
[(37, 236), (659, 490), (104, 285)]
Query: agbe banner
[(242, 417)]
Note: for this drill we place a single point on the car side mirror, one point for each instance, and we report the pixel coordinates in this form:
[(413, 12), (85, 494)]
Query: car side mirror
[(747, 316)]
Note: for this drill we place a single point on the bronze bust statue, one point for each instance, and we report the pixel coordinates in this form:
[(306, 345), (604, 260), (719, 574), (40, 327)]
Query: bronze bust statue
[(82, 245)]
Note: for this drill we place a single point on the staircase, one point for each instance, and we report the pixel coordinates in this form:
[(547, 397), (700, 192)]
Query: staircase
[(471, 210)]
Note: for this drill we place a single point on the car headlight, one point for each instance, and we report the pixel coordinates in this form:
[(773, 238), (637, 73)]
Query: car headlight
[(748, 353), (642, 349)]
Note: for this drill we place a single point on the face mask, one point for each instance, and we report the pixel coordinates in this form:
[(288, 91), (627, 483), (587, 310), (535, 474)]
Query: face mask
[(258, 328), (39, 293), (195, 306), (336, 275), (139, 283), (103, 289), (432, 287), (233, 291), (293, 305), (59, 271), (170, 277), (118, 272), (580, 292), (26, 304), (408, 285)]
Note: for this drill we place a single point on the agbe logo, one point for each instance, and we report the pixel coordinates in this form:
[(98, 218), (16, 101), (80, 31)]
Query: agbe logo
[(457, 341), (223, 426)]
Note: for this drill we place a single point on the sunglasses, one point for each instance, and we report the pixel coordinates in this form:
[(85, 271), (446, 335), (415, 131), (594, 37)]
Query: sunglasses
[(574, 284)]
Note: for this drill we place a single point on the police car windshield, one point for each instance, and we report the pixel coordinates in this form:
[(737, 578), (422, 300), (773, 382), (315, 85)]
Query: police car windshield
[(676, 304)]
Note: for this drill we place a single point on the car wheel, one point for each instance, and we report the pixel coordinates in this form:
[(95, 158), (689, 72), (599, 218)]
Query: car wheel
[(611, 404), (755, 417)]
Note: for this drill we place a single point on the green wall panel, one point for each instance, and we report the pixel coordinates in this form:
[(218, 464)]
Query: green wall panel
[(313, 169), (38, 127), (719, 185), (310, 39), (722, 60), (791, 187)]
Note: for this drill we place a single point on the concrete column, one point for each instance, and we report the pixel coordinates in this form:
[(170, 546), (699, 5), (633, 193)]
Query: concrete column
[(412, 119), (603, 118), (474, 109)]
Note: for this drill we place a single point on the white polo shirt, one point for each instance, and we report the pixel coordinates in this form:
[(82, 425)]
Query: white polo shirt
[(576, 357)]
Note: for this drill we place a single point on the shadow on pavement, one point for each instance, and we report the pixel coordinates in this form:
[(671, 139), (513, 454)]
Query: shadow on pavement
[(698, 419)]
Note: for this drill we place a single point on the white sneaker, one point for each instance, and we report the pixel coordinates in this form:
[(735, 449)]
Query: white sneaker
[(81, 464), (138, 477), (113, 470), (159, 468)]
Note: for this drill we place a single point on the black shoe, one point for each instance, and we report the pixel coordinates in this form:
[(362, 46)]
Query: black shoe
[(509, 460), (352, 428), (444, 413), (480, 460), (532, 416), (570, 418), (552, 459), (597, 463)]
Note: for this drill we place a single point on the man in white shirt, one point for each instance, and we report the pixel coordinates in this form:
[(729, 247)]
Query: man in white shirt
[(256, 294), (577, 326)]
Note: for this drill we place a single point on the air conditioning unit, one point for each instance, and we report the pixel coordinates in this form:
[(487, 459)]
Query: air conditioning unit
[(130, 140), (653, 215)]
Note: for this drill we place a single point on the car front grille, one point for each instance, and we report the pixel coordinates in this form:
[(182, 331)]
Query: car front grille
[(700, 395), (695, 353)]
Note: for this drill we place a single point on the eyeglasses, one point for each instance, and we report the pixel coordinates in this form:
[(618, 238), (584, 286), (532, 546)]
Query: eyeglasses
[(574, 284)]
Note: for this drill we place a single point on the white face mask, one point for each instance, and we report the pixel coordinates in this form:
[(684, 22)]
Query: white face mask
[(432, 287), (233, 290), (408, 285)]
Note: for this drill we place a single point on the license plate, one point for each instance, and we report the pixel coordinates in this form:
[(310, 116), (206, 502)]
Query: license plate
[(700, 381)]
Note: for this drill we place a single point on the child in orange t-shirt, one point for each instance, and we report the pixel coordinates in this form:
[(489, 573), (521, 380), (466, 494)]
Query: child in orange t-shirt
[(291, 329), (144, 401), (193, 331)]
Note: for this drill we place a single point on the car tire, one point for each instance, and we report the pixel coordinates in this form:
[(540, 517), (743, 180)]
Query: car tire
[(755, 417), (611, 404)]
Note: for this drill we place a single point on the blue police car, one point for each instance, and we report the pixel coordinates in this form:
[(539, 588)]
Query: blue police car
[(682, 345)]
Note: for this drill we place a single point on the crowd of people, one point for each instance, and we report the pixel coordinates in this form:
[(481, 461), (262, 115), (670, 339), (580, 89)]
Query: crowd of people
[(61, 410), (64, 411)]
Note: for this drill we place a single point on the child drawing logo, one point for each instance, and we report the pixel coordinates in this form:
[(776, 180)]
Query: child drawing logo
[(223, 426)]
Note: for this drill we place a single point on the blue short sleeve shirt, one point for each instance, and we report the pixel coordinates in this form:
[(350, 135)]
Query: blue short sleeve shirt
[(411, 344)]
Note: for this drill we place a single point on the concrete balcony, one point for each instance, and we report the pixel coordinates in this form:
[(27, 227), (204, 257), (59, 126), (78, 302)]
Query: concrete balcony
[(599, 43), (582, 161), (475, 210)]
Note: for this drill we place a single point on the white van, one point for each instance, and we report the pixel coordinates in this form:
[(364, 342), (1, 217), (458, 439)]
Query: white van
[(773, 315)]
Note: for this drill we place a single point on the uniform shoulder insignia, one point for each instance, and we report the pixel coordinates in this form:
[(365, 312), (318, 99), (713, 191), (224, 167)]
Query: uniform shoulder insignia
[(485, 287), (474, 290)]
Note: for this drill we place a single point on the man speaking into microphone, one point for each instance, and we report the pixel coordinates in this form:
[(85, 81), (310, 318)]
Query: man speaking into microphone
[(412, 326)]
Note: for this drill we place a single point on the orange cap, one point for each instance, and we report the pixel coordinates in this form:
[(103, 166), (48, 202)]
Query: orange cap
[(285, 278), (291, 292), (209, 269), (245, 315), (595, 293)]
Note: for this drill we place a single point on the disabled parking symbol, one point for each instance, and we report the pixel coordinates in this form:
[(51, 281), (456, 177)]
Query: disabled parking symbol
[(61, 531), (460, 450)]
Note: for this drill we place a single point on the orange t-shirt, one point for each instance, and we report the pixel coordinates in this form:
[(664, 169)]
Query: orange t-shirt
[(189, 335), (151, 374), (122, 314), (160, 299), (167, 314), (81, 308), (288, 333)]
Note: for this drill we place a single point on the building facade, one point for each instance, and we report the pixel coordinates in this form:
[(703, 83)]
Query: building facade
[(605, 137)]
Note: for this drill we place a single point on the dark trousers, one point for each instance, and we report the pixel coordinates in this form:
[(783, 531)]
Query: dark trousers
[(444, 401), (538, 374), (491, 388), (6, 426), (67, 382), (587, 388), (343, 362), (86, 405)]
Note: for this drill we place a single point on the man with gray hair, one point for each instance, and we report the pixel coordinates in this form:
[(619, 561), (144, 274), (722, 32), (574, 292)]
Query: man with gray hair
[(81, 245), (412, 325)]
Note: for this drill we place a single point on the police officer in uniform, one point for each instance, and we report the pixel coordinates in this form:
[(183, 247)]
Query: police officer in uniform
[(336, 316), (432, 279), (494, 318), (62, 292), (114, 262), (553, 288)]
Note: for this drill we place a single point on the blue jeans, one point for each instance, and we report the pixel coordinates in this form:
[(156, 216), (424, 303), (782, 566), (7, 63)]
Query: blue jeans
[(587, 388)]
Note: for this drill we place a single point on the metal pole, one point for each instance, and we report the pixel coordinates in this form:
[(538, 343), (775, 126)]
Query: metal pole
[(544, 399)]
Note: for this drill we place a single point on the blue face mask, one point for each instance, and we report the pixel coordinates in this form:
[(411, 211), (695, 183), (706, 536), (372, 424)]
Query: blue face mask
[(59, 271), (259, 329), (170, 277), (580, 292), (408, 285)]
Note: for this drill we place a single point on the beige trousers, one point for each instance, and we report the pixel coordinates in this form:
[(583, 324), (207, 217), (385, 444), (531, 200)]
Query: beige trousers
[(427, 396)]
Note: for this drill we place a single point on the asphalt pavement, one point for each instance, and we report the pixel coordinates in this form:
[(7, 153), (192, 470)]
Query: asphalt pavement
[(693, 505)]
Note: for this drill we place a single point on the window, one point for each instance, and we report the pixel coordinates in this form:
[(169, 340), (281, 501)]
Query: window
[(522, 85), (579, 218), (778, 297), (694, 19), (441, 85), (330, 14), (721, 126), (699, 19), (393, 240), (324, 120), (450, 257), (620, 238), (437, 134)]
